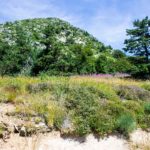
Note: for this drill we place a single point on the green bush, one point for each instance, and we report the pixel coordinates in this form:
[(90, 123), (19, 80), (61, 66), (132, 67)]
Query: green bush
[(82, 101), (82, 126), (107, 91), (54, 115), (134, 107), (141, 71), (102, 123), (147, 108), (125, 124), (146, 86)]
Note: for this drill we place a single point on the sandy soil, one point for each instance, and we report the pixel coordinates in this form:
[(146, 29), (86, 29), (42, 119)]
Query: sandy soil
[(90, 143), (53, 141)]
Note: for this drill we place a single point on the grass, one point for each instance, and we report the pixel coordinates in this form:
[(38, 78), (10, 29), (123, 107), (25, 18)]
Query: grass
[(93, 105)]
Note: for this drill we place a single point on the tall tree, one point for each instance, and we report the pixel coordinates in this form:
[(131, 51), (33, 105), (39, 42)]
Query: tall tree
[(139, 39)]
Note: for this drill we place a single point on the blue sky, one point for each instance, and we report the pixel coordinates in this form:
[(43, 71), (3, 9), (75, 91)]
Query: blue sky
[(107, 20)]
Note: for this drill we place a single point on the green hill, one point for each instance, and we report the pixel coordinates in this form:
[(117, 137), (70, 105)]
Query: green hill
[(33, 46)]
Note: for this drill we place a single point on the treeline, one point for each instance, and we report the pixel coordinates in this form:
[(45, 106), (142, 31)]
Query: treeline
[(54, 47)]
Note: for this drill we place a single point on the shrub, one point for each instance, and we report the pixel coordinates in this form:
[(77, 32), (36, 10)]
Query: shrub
[(102, 123), (145, 120), (141, 71), (81, 126), (147, 108), (92, 112), (54, 116), (82, 101), (146, 86), (37, 87), (107, 91), (59, 91), (125, 124), (107, 115), (132, 92), (135, 108)]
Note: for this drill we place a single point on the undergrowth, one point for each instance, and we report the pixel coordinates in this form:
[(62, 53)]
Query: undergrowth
[(101, 106)]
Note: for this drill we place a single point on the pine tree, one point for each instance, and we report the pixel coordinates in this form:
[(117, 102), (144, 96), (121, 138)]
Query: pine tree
[(139, 39)]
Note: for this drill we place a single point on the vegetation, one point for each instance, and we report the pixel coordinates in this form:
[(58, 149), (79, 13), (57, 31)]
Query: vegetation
[(31, 47), (92, 105), (139, 45), (76, 105), (54, 47), (139, 42)]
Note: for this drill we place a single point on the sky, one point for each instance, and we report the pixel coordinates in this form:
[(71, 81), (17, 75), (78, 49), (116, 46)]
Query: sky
[(107, 20)]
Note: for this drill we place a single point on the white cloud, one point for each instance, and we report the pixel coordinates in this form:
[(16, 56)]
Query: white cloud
[(16, 9)]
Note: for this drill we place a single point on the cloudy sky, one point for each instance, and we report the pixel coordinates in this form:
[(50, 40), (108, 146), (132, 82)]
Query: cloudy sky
[(107, 20)]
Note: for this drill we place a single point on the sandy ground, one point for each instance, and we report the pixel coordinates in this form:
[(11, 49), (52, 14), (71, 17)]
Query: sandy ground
[(90, 143), (53, 141)]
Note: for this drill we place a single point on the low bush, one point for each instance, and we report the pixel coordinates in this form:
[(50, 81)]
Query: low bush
[(135, 108), (126, 123), (147, 108), (37, 87), (54, 116), (132, 92), (146, 86)]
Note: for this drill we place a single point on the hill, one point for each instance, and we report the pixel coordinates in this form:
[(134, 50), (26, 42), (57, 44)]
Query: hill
[(49, 45)]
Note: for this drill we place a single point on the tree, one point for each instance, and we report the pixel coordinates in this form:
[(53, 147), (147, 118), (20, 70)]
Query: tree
[(105, 63), (48, 58), (118, 54), (139, 39)]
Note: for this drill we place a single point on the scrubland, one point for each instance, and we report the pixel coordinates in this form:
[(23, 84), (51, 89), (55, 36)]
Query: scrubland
[(79, 105)]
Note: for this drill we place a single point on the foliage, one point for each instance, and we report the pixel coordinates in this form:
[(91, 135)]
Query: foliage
[(142, 71), (147, 108), (133, 93), (139, 45), (31, 47), (146, 86), (92, 104), (54, 47), (126, 123), (139, 41), (118, 54)]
